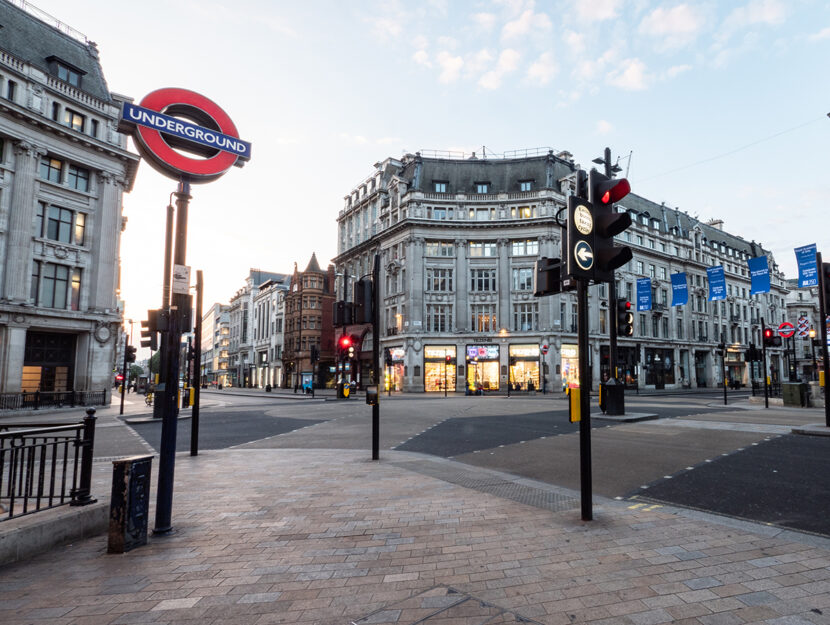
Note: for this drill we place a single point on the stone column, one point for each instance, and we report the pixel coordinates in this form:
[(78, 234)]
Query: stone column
[(461, 286), (105, 231), (12, 351), (503, 278), (17, 272)]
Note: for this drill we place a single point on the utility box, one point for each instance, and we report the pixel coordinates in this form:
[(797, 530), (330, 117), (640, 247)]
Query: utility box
[(130, 502), (794, 393), (612, 393)]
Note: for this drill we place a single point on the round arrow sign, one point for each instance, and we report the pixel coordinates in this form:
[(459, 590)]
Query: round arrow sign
[(584, 255), (786, 329)]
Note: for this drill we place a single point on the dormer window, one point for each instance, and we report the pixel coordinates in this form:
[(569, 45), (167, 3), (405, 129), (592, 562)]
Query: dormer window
[(482, 187), (66, 72), (525, 185), (440, 186)]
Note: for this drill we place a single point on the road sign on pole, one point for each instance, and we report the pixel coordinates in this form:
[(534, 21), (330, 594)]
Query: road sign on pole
[(786, 329)]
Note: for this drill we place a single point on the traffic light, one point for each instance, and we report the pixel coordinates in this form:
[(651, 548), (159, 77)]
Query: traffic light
[(315, 353), (625, 318), (129, 355), (448, 359), (363, 301), (825, 283), (149, 337), (579, 261), (344, 344), (771, 339), (343, 314), (387, 357), (602, 193), (547, 276)]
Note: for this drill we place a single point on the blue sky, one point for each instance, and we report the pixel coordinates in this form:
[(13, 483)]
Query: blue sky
[(722, 107)]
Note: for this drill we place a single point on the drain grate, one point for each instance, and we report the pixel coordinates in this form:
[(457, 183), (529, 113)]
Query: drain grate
[(442, 605), (542, 496)]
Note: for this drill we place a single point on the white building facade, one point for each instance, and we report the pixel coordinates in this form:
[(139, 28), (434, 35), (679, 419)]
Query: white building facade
[(63, 170), (458, 239)]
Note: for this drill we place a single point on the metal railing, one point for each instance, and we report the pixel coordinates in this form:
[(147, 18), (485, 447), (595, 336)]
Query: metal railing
[(54, 399), (43, 466)]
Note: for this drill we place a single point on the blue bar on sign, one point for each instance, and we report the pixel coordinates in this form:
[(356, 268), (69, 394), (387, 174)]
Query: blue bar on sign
[(185, 130)]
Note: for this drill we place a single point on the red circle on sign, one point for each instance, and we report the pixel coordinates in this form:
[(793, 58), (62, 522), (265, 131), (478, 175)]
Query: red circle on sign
[(786, 329), (544, 349), (169, 160)]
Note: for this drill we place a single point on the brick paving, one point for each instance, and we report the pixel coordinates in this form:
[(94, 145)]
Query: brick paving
[(326, 536)]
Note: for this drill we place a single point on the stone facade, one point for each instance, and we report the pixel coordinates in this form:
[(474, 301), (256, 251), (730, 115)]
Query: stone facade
[(63, 169), (458, 238)]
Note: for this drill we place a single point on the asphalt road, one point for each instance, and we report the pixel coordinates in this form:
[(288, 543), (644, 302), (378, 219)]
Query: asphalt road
[(699, 454)]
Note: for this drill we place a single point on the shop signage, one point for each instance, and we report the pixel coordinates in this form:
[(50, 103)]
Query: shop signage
[(397, 353), (159, 125), (482, 352), (433, 351), (524, 351)]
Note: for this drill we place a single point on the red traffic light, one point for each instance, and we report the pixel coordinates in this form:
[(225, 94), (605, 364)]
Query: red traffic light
[(448, 359), (767, 333), (345, 341), (613, 190), (119, 377)]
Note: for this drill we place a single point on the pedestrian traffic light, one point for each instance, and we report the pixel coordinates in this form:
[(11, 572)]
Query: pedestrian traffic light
[(149, 337), (363, 301), (130, 353), (771, 339), (602, 193), (547, 276), (625, 318)]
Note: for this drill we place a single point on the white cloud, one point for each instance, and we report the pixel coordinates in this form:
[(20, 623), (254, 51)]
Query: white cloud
[(675, 27), (422, 58), (575, 42), (676, 70), (485, 21), (388, 140), (525, 23), (758, 12), (387, 27), (420, 42), (447, 43), (543, 69), (604, 127), (450, 66), (631, 75), (507, 63), (478, 62), (824, 33), (597, 10)]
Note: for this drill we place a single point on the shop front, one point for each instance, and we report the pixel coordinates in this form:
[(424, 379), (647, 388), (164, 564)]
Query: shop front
[(439, 368), (627, 358), (569, 366), (48, 362), (734, 367), (523, 370), (394, 369), (700, 369), (483, 367), (659, 367)]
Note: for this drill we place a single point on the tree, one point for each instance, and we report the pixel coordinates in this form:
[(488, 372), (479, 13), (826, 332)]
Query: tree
[(135, 372), (154, 362)]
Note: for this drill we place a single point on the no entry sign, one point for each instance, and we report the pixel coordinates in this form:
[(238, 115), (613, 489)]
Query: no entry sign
[(170, 121)]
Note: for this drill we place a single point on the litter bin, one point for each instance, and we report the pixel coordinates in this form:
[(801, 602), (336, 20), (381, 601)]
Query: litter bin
[(794, 393), (129, 503)]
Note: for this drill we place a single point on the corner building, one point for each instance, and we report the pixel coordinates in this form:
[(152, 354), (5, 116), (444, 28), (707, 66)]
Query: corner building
[(458, 238), (63, 169)]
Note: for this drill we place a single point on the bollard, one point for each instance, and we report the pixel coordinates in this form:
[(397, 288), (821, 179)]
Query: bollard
[(82, 495), (129, 505)]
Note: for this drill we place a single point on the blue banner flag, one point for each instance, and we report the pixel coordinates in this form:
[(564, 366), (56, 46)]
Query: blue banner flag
[(643, 293), (717, 283), (679, 289), (805, 256), (758, 274)]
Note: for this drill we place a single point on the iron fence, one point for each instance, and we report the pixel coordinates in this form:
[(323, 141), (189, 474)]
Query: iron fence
[(43, 466), (56, 399)]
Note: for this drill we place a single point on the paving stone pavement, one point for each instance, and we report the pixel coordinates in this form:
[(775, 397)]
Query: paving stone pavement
[(330, 537)]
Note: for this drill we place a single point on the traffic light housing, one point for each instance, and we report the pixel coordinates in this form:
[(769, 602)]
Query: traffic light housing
[(364, 300), (547, 276), (343, 314), (344, 343), (825, 284), (771, 339), (149, 337), (625, 318), (129, 355), (602, 193), (448, 359)]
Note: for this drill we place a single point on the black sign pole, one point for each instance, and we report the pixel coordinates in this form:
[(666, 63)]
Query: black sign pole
[(196, 380), (376, 355), (584, 400), (764, 362), (167, 452), (159, 392), (123, 375), (823, 312)]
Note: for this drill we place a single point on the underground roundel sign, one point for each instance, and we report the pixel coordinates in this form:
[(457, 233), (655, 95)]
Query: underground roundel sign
[(184, 135)]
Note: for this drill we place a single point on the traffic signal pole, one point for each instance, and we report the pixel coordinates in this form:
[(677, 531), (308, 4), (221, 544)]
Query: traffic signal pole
[(376, 355), (158, 402), (123, 375), (196, 380), (167, 451), (764, 362), (584, 401), (824, 290)]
